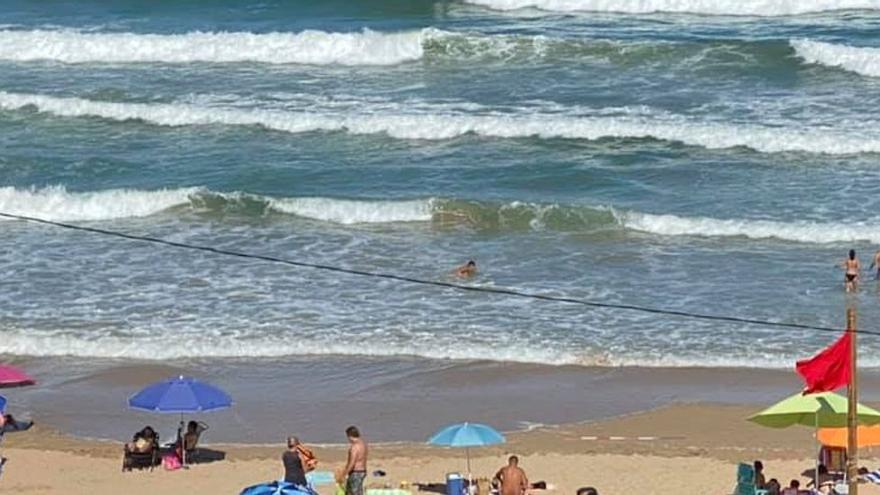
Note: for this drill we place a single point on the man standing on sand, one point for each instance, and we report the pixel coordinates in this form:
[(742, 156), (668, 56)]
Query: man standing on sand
[(356, 467), (513, 479)]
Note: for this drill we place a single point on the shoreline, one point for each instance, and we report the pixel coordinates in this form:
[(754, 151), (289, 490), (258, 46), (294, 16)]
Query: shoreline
[(400, 400)]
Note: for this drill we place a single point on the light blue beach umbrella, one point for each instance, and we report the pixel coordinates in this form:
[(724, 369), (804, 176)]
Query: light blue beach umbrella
[(467, 435)]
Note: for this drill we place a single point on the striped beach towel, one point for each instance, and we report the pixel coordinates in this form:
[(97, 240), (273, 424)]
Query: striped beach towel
[(873, 477)]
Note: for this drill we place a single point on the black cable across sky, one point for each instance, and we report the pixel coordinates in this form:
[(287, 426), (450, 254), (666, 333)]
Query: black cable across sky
[(435, 283)]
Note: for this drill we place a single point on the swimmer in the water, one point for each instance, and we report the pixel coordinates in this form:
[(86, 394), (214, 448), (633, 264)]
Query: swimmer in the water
[(467, 270)]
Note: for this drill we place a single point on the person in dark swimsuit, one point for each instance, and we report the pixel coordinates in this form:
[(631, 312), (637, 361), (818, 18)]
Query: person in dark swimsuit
[(851, 273), (293, 467)]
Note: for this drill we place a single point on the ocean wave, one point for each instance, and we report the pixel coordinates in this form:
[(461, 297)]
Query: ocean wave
[(56, 203), (351, 212), (798, 231), (708, 7), (192, 343), (306, 47), (440, 123), (861, 60), (189, 342), (325, 48)]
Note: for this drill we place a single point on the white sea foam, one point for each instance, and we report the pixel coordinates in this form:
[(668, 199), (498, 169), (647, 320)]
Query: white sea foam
[(861, 60), (56, 203), (800, 231), (710, 7), (190, 342), (351, 211), (441, 123), (306, 47)]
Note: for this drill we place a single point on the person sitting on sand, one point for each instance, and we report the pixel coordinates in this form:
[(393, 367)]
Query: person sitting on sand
[(760, 481), (823, 477), (294, 472), (467, 270), (512, 478), (194, 430), (851, 272), (143, 441), (773, 487), (794, 488)]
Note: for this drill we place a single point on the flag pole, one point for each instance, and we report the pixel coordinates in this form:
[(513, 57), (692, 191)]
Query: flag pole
[(852, 389)]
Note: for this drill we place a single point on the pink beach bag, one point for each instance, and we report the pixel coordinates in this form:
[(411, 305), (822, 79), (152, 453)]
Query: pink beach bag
[(171, 462)]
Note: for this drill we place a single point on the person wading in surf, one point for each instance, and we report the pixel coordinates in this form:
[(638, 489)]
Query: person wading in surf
[(876, 262), (851, 273)]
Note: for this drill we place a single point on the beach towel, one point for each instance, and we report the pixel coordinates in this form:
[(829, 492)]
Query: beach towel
[(873, 477), (307, 457)]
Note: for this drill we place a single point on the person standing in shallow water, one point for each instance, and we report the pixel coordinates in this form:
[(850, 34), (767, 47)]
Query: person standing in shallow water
[(876, 262), (851, 272), (356, 467)]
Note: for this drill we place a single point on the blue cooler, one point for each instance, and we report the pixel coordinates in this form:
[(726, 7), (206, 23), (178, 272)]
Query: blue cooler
[(454, 484)]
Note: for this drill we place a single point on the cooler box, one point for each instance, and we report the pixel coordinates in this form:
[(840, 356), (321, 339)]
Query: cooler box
[(454, 484)]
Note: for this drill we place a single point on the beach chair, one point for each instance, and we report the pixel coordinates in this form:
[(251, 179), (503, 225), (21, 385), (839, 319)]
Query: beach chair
[(745, 481), (834, 458), (141, 460)]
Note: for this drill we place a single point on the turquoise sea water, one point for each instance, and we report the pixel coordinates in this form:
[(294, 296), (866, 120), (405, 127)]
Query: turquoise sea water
[(719, 158)]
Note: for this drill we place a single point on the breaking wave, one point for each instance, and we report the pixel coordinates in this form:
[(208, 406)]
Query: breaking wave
[(439, 122), (708, 7), (306, 47), (799, 231), (56, 203), (861, 60)]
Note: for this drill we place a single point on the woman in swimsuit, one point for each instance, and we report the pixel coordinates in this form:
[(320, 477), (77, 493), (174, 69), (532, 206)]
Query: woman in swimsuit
[(851, 276)]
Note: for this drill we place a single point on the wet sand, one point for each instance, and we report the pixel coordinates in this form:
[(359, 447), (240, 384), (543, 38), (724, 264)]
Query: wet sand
[(394, 399)]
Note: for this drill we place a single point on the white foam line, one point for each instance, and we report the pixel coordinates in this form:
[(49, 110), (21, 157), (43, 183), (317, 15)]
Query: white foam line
[(861, 60), (798, 231), (710, 7), (443, 124), (306, 47)]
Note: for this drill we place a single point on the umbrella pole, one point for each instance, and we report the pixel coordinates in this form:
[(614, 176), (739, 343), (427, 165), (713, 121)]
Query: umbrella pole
[(467, 453), (816, 469), (182, 438), (852, 443)]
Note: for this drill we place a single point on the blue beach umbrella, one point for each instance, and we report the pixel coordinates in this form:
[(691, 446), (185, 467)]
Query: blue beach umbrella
[(467, 435), (2, 404), (179, 396), (277, 488)]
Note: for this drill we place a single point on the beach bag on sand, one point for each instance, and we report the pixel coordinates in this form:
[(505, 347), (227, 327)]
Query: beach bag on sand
[(307, 457), (171, 462)]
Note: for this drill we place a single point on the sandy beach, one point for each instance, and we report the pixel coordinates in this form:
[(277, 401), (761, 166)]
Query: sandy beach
[(682, 448)]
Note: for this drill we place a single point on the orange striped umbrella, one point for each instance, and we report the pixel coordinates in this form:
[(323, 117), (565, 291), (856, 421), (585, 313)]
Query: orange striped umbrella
[(869, 436)]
